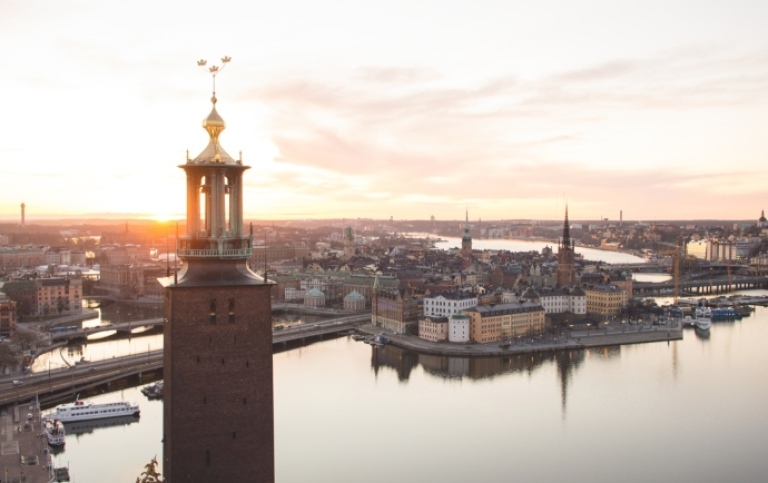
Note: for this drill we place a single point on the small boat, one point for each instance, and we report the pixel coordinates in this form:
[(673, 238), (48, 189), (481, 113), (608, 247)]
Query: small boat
[(153, 391), (84, 410), (379, 340), (703, 318), (689, 321), (54, 432), (358, 337)]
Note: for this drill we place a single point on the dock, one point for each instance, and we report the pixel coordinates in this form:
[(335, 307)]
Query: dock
[(24, 452)]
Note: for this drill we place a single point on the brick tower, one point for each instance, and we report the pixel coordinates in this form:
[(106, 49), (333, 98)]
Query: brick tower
[(218, 423)]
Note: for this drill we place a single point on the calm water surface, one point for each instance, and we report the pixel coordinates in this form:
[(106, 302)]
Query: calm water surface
[(692, 410), (536, 245)]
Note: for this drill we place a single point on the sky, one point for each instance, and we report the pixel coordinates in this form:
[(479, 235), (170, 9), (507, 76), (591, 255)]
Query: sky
[(405, 109)]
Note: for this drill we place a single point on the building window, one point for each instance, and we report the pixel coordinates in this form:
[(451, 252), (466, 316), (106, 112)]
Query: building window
[(213, 311), (232, 311)]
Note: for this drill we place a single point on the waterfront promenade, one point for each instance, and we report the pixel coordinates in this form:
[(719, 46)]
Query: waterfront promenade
[(620, 334)]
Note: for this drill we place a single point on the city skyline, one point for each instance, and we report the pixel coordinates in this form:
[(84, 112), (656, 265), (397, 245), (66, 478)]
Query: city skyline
[(397, 110)]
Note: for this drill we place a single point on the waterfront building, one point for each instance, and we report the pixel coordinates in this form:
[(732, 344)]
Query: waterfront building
[(354, 301), (459, 328), (559, 300), (605, 299), (566, 270), (445, 304), (13, 257), (132, 281), (331, 286), (433, 329), (491, 323), (314, 297), (396, 310), (8, 316), (218, 416), (59, 295), (294, 294)]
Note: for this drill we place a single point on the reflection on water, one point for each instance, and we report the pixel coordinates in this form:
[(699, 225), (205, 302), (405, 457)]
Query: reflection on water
[(403, 362), (345, 411), (83, 427)]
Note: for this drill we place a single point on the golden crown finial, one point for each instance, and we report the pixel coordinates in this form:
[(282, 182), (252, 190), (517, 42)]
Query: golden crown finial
[(213, 70)]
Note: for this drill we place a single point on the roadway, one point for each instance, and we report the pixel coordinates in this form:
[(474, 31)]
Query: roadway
[(78, 377)]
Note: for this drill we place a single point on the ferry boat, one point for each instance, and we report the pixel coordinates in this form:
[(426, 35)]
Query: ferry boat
[(84, 410), (54, 432)]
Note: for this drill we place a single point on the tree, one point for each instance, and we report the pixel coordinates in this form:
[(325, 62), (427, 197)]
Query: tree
[(150, 475), (7, 357)]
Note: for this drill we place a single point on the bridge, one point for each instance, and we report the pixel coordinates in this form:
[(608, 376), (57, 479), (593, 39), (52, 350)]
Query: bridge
[(62, 384), (709, 285), (63, 334)]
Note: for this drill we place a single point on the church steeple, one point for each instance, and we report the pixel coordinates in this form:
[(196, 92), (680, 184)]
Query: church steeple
[(466, 237), (565, 256), (566, 229)]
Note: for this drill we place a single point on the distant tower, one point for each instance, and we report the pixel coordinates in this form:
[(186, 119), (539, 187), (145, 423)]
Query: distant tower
[(466, 238), (621, 217), (349, 243), (761, 222), (565, 256), (218, 418), (23, 213)]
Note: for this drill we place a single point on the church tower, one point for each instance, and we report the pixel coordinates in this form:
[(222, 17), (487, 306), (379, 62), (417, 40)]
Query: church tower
[(349, 243), (218, 423), (566, 275), (466, 238)]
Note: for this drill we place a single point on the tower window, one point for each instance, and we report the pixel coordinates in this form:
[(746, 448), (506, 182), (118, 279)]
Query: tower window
[(213, 311), (232, 311)]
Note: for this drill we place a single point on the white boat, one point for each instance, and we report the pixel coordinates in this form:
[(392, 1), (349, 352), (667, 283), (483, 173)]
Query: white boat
[(85, 410), (54, 432), (703, 318)]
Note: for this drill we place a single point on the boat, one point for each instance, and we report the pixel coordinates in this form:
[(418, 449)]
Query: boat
[(724, 313), (379, 340), (358, 337), (54, 432), (153, 391), (85, 410), (689, 321), (703, 318)]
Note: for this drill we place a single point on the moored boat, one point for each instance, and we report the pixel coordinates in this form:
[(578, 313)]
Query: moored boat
[(703, 318), (85, 410), (153, 391), (54, 432)]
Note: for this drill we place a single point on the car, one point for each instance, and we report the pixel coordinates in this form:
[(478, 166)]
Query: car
[(16, 382)]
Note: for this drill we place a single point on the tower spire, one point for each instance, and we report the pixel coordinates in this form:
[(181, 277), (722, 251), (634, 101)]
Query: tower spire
[(566, 229)]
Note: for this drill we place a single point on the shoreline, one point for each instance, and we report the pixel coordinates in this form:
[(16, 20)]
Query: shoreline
[(576, 340)]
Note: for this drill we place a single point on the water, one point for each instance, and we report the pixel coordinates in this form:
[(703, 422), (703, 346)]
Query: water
[(592, 254), (691, 410)]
